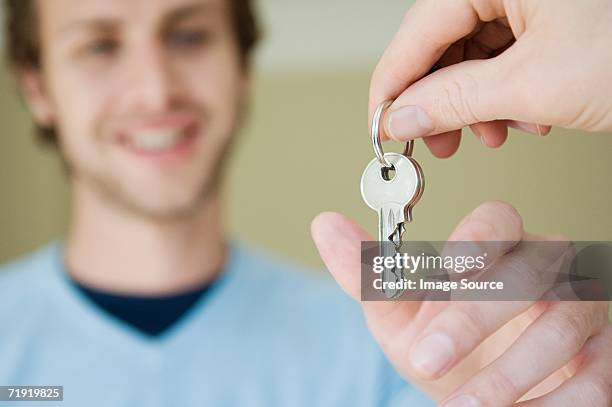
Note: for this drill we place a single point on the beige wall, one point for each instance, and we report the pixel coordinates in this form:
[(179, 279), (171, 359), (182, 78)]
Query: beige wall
[(33, 194), (303, 152)]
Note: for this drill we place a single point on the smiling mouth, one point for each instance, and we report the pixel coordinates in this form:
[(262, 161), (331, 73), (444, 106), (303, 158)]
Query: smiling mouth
[(157, 140), (160, 141)]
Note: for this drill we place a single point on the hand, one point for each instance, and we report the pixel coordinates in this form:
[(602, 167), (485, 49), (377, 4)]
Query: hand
[(523, 64), (493, 352)]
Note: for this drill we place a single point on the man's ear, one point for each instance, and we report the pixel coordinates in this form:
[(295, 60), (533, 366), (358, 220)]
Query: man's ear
[(36, 96), (246, 81)]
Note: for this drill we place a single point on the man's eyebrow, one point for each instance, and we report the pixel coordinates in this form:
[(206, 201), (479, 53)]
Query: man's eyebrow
[(191, 10), (90, 24), (108, 24)]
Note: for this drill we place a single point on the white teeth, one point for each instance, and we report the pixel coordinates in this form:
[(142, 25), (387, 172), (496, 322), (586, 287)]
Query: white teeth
[(155, 140)]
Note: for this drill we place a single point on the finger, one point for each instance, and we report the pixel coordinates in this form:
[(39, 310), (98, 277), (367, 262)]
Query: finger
[(539, 129), (457, 96), (591, 385), (444, 145), (458, 330), (488, 42), (494, 228), (491, 134), (338, 240), (427, 30), (492, 221), (547, 345), (493, 36), (454, 332)]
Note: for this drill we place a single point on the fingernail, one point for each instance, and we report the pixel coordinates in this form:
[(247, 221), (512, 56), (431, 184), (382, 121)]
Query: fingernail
[(480, 136), (462, 401), (408, 122), (432, 354), (483, 140)]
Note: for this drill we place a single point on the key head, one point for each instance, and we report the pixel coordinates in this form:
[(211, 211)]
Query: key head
[(401, 187)]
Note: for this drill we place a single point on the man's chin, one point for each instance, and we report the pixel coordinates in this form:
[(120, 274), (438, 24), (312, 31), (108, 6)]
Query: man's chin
[(154, 204), (164, 211)]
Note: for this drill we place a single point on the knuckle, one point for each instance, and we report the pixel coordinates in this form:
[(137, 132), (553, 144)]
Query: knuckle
[(481, 230), (501, 384), (489, 217), (458, 96), (505, 210), (469, 319), (486, 10), (596, 313), (528, 277), (569, 329), (494, 220)]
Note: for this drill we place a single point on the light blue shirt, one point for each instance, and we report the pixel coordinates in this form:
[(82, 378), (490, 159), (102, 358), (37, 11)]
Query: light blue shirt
[(267, 333)]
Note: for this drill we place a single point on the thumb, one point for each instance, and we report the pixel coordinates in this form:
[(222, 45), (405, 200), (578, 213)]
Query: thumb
[(338, 240), (454, 97)]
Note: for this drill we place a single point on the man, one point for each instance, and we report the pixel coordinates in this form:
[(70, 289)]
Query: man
[(146, 302)]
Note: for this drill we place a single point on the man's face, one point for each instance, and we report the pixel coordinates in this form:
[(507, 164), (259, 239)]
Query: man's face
[(145, 95)]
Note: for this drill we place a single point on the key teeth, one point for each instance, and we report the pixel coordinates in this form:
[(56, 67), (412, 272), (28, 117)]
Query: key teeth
[(396, 236), (401, 229), (408, 214)]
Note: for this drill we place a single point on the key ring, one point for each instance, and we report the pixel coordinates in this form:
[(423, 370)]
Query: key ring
[(375, 132)]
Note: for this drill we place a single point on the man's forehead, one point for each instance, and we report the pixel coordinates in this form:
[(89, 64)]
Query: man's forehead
[(61, 14)]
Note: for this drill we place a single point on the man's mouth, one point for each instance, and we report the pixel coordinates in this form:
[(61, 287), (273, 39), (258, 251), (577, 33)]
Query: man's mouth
[(157, 140), (171, 139)]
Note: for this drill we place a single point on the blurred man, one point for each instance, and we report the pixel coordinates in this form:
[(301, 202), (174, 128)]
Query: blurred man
[(147, 302)]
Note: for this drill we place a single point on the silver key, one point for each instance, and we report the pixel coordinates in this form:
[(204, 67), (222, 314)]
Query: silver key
[(392, 192)]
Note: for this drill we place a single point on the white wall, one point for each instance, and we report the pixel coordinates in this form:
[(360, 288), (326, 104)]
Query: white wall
[(322, 35)]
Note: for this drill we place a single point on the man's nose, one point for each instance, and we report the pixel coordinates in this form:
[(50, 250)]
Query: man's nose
[(151, 86)]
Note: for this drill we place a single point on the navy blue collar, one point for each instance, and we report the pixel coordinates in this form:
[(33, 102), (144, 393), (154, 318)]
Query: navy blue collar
[(151, 315)]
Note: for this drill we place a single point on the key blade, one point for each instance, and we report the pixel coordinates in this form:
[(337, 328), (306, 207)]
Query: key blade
[(389, 235), (393, 227), (390, 223)]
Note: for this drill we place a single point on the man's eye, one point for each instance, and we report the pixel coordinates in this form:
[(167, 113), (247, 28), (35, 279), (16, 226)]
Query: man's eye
[(101, 47), (188, 38)]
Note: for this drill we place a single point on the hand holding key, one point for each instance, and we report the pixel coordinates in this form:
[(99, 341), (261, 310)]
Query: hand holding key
[(523, 64), (438, 346)]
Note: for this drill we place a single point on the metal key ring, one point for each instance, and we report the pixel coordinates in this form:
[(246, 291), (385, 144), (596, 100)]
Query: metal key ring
[(375, 132)]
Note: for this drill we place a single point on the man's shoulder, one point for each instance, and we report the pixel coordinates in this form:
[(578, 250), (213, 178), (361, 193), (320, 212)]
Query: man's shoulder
[(20, 278), (43, 257), (25, 308)]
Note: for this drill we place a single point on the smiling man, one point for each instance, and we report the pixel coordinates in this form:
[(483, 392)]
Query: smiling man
[(146, 302)]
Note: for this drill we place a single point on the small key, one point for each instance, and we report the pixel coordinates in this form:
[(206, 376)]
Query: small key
[(392, 192)]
